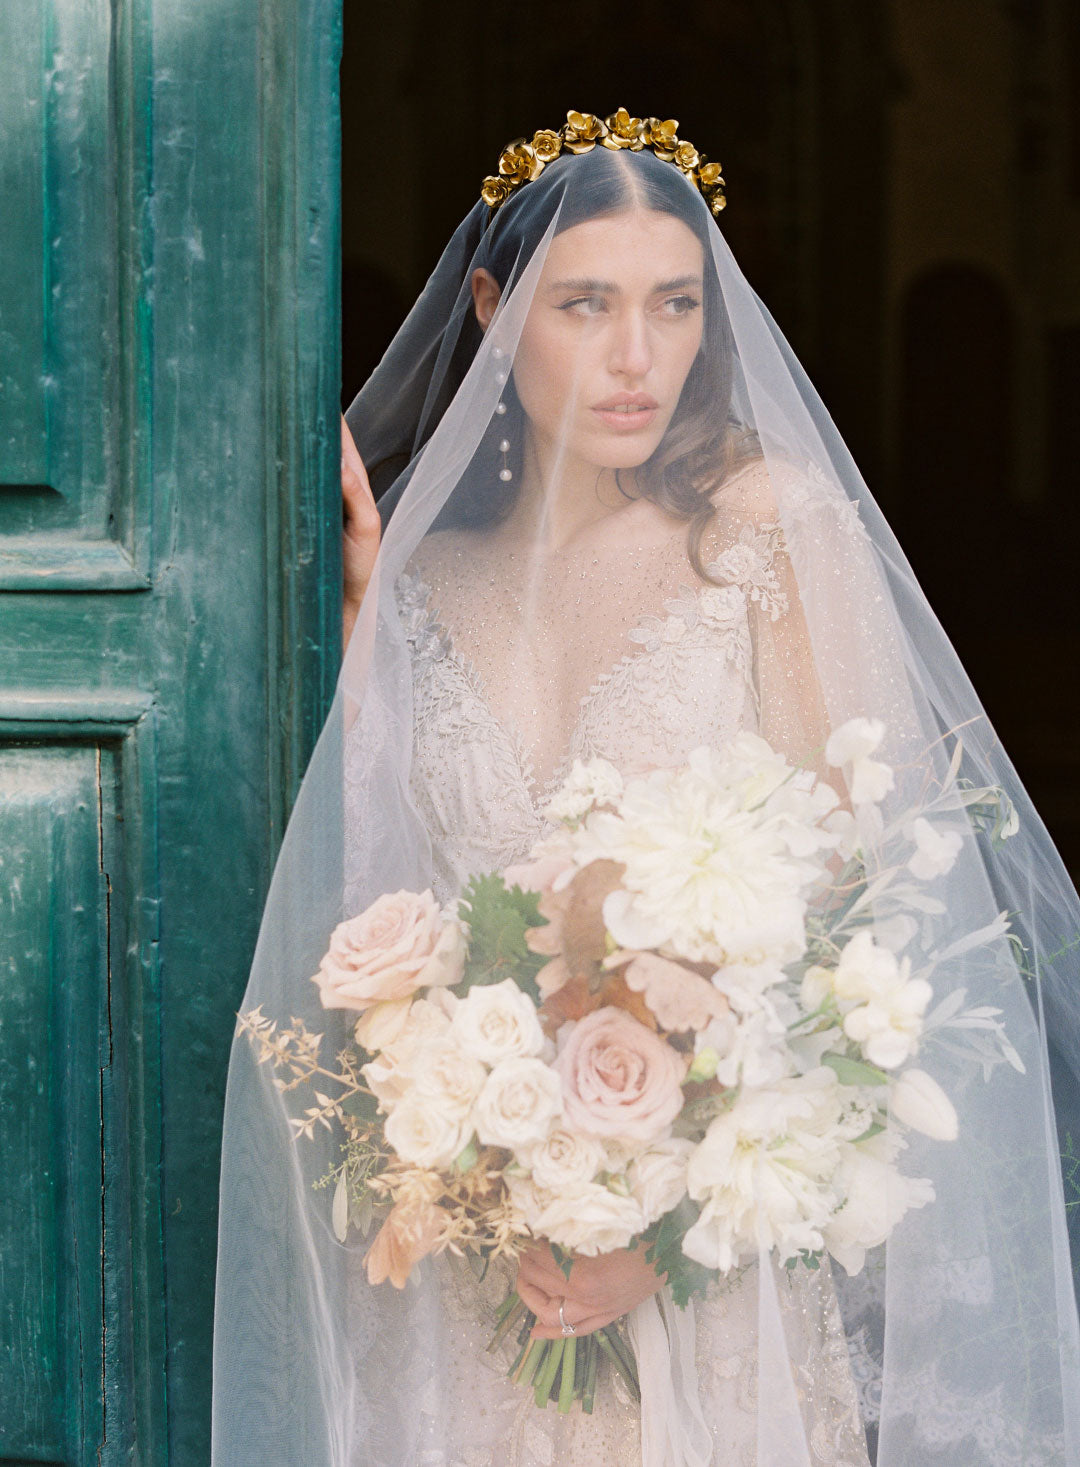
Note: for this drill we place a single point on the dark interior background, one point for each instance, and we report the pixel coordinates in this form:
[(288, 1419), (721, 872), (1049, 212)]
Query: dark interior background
[(904, 194)]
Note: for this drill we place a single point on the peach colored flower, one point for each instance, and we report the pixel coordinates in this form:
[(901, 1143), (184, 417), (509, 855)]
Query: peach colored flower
[(407, 1235), (680, 999), (619, 1078), (401, 943), (575, 936)]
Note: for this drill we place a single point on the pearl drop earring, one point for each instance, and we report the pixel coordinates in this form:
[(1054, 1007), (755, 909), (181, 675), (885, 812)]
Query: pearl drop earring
[(505, 473)]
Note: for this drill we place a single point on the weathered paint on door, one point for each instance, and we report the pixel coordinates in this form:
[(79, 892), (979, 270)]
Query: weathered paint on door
[(169, 635)]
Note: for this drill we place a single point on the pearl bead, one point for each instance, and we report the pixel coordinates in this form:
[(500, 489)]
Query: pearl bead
[(505, 475), (500, 407), (504, 446)]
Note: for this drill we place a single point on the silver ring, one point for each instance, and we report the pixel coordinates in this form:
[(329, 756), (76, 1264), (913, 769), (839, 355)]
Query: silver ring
[(567, 1329)]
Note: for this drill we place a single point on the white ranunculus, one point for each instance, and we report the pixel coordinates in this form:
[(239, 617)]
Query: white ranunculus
[(917, 1100), (658, 1176), (588, 1218), (448, 1077), (520, 1099), (764, 1172), (849, 747), (424, 1134), (495, 1021), (719, 856), (874, 1196), (594, 783), (563, 1158), (935, 851)]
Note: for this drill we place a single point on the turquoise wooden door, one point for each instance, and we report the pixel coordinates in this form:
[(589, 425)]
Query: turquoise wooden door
[(169, 635)]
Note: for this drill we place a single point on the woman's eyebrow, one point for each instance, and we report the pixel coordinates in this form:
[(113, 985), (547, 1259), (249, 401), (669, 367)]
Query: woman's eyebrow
[(586, 286)]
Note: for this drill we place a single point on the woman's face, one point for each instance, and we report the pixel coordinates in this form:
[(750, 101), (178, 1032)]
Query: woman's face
[(611, 336)]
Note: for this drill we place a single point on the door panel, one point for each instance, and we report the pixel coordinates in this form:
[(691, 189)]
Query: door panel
[(169, 639)]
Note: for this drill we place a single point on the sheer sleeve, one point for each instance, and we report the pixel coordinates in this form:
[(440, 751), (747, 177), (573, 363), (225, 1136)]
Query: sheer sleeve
[(746, 543)]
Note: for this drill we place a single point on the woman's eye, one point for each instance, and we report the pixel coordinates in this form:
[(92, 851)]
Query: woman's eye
[(584, 305), (681, 305)]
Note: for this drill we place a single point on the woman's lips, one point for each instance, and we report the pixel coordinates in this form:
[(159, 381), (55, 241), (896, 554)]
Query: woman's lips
[(626, 418)]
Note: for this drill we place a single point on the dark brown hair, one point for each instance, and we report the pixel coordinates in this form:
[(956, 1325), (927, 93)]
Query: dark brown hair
[(702, 444)]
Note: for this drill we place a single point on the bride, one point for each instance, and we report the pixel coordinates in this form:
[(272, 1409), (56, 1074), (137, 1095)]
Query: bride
[(615, 521)]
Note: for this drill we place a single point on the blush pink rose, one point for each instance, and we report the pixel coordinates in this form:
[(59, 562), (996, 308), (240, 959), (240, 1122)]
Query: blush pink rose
[(401, 943), (619, 1078)]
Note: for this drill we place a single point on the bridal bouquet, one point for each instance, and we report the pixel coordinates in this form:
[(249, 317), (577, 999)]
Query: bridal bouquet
[(684, 1023)]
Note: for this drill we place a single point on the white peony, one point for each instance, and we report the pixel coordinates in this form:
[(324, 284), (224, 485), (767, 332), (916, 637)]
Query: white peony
[(563, 1158), (587, 1218), (755, 1052), (935, 851), (495, 1021), (657, 1176), (874, 1196), (719, 856), (520, 1099), (424, 1134), (849, 747), (764, 1172), (917, 1100), (448, 1077)]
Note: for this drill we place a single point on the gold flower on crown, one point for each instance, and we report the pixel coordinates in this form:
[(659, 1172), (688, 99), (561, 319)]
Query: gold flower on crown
[(520, 161)]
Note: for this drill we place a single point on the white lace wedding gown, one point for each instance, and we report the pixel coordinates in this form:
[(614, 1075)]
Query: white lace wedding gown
[(651, 688)]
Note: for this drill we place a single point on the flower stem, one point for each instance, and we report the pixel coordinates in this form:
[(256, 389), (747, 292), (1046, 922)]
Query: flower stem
[(612, 1346), (531, 1363), (567, 1390), (545, 1376), (588, 1394)]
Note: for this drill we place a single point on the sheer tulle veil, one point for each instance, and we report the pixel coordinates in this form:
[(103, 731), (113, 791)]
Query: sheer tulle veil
[(962, 1327)]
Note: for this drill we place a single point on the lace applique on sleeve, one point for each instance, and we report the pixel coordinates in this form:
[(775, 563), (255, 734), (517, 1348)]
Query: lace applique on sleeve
[(750, 564), (423, 632)]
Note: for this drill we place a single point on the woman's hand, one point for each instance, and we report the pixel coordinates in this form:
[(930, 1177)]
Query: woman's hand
[(361, 531), (598, 1290)]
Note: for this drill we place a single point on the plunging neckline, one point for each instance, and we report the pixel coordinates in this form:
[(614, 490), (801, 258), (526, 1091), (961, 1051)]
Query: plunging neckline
[(540, 793)]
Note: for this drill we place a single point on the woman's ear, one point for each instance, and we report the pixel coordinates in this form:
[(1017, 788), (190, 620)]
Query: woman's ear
[(485, 294)]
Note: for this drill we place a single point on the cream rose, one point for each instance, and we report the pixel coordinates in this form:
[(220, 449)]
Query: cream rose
[(619, 1078), (658, 1177), (563, 1158), (448, 1077), (424, 1134), (497, 1021), (401, 943), (520, 1099), (587, 1218), (390, 1074)]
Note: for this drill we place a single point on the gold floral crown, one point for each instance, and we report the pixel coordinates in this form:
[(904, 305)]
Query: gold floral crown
[(520, 161)]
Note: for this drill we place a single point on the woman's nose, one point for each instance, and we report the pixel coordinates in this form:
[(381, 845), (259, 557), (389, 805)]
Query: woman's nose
[(631, 354)]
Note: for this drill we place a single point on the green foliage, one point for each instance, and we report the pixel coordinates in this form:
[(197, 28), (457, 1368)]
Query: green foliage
[(564, 1259), (362, 1105), (685, 1276), (809, 1260), (498, 916), (854, 1071)]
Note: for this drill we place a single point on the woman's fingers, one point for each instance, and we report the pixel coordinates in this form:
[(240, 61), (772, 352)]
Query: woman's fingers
[(583, 1324), (361, 525)]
